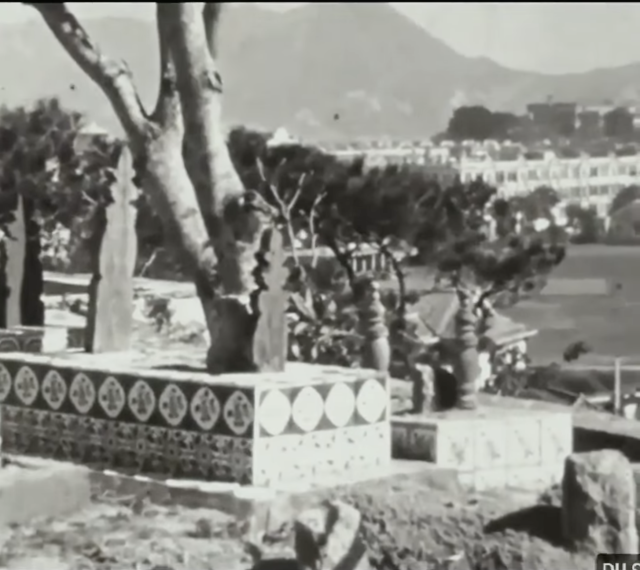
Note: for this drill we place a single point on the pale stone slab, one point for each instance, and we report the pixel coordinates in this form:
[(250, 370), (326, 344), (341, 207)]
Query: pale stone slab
[(492, 447)]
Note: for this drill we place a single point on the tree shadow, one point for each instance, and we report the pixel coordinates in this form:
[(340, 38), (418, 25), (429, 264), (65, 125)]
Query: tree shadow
[(181, 368), (541, 521)]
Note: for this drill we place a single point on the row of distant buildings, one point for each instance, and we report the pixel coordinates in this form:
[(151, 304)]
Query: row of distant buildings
[(588, 180), (585, 179)]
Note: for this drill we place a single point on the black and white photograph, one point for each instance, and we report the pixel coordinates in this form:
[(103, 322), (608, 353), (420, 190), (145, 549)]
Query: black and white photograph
[(320, 286)]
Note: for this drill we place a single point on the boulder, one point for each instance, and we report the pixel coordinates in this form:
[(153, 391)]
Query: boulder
[(599, 502), (329, 537)]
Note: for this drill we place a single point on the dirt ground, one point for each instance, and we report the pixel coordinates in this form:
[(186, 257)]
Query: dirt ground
[(408, 526)]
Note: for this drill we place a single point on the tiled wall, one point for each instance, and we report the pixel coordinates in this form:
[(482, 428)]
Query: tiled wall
[(259, 429), (517, 449)]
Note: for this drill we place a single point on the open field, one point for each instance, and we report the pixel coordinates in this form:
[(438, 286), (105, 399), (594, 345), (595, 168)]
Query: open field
[(610, 324)]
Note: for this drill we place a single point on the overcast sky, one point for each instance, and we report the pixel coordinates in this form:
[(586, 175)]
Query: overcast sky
[(549, 37)]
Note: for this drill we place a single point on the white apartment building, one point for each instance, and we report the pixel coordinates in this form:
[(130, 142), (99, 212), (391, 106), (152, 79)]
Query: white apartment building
[(384, 156), (587, 180)]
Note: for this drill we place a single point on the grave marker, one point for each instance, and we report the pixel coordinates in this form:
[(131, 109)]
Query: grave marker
[(21, 281), (110, 316)]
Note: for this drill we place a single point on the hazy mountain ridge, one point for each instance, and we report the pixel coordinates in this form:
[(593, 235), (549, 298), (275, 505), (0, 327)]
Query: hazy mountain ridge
[(322, 70)]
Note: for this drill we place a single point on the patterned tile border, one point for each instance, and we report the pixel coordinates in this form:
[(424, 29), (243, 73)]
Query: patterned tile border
[(333, 405), (191, 425), (102, 444), (480, 443)]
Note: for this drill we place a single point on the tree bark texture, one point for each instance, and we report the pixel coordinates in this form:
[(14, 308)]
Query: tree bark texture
[(223, 232)]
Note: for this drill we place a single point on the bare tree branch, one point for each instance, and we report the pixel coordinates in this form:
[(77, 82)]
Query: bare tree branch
[(312, 227), (210, 17), (284, 210), (113, 77), (200, 88), (167, 111)]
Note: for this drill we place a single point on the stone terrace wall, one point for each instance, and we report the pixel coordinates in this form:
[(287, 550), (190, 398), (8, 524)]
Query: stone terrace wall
[(260, 429)]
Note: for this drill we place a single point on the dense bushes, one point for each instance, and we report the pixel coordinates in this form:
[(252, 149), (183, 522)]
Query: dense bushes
[(341, 206)]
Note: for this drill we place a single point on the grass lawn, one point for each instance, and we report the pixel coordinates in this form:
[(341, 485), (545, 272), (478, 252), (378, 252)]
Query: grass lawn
[(609, 323)]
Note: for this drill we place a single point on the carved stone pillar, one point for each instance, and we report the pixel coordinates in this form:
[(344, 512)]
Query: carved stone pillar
[(467, 367), (376, 352)]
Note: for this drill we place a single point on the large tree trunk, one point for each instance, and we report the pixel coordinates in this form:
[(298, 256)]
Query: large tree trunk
[(225, 235)]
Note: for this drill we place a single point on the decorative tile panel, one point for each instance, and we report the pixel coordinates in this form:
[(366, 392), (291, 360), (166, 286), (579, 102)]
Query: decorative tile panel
[(300, 458), (310, 420), (414, 441), (348, 400), (490, 447), (523, 441), (455, 447), (490, 444)]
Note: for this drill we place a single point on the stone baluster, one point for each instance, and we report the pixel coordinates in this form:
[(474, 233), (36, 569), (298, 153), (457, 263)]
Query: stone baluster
[(467, 366), (376, 352)]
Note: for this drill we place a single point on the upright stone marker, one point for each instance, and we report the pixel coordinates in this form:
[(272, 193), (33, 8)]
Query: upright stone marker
[(22, 281), (269, 345), (31, 303), (15, 246), (110, 317)]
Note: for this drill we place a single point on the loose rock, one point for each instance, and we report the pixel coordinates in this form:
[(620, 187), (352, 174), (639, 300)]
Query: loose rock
[(598, 502), (328, 537)]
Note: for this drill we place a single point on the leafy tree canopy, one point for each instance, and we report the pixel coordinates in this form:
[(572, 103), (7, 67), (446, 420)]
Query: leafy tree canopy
[(479, 123), (624, 197)]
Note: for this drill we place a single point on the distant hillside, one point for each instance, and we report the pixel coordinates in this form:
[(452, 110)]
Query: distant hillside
[(322, 70)]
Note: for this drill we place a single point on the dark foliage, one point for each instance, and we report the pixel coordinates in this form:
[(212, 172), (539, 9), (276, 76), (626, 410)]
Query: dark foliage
[(618, 123), (537, 204), (479, 123), (589, 228), (345, 207), (624, 197), (40, 161)]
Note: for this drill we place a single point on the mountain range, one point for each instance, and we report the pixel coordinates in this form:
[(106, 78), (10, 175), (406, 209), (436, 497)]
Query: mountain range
[(323, 71)]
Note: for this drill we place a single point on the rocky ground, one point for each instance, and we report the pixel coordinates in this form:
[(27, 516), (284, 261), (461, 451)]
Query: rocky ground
[(408, 525)]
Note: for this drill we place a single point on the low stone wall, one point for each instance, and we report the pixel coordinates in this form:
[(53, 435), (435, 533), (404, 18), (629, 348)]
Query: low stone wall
[(495, 446), (259, 429), (41, 339)]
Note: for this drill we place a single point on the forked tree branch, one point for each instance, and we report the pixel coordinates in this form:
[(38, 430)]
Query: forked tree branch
[(158, 147), (113, 77), (200, 89)]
